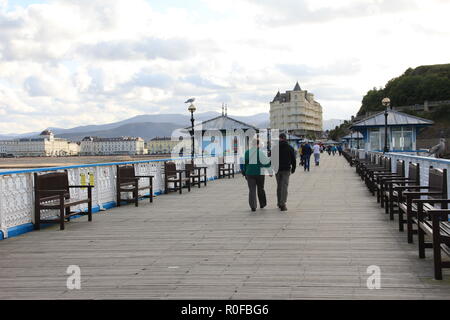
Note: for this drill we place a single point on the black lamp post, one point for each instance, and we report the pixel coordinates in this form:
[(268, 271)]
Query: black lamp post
[(386, 103), (268, 142), (351, 140), (192, 109), (357, 140)]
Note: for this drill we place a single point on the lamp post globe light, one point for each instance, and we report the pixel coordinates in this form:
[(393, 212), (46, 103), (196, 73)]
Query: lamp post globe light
[(386, 102)]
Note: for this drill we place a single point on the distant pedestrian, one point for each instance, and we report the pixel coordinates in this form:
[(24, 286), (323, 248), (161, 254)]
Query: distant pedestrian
[(286, 166), (307, 151), (329, 150), (254, 162), (334, 150), (300, 153), (316, 151), (339, 149)]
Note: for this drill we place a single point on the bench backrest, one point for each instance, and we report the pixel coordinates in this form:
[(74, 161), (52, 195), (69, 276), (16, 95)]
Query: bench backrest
[(170, 169), (189, 167), (221, 161), (388, 164), (125, 174), (400, 170), (414, 172), (385, 163), (51, 181), (377, 159), (437, 181)]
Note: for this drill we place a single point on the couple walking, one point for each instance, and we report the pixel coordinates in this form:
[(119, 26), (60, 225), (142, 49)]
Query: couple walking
[(256, 162), (305, 155)]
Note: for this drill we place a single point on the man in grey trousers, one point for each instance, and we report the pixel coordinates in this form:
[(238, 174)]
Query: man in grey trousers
[(287, 165)]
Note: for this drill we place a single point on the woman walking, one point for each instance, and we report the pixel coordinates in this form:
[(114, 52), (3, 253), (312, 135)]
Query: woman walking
[(300, 153), (254, 162)]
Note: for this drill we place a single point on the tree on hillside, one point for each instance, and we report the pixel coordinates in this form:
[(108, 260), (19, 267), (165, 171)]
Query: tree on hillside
[(415, 86)]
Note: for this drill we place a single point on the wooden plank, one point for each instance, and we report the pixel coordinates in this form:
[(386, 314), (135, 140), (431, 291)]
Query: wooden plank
[(207, 244)]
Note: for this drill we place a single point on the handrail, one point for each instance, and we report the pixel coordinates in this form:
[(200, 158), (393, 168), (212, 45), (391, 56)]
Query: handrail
[(87, 165)]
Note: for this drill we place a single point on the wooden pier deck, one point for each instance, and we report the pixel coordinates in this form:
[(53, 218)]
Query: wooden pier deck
[(206, 244)]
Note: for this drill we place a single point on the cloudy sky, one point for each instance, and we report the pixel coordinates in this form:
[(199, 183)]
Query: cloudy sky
[(65, 63)]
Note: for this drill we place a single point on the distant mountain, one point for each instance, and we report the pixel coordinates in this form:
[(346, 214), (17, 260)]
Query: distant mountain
[(146, 126), (149, 126), (145, 130), (331, 124)]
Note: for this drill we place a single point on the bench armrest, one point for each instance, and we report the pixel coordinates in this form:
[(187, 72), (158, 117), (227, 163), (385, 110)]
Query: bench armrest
[(411, 187), (413, 194), (396, 180), (431, 201), (48, 190), (439, 213), (384, 173), (77, 187), (125, 179)]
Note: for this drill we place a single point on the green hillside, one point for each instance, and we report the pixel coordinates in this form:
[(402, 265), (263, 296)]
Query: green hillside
[(430, 83), (415, 86)]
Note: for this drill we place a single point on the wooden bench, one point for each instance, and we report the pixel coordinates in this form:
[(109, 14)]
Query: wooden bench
[(52, 191), (391, 196), (436, 189), (371, 161), (225, 169), (383, 178), (375, 176), (198, 174), (383, 166), (175, 176), (435, 224), (348, 155), (360, 162), (127, 181)]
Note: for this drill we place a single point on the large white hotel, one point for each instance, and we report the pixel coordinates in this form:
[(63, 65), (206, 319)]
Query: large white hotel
[(112, 146), (45, 145), (296, 112)]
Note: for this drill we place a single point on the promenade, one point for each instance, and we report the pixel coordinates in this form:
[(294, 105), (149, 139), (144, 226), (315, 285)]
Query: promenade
[(207, 244)]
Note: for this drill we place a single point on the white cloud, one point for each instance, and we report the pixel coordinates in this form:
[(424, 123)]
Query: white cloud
[(67, 63)]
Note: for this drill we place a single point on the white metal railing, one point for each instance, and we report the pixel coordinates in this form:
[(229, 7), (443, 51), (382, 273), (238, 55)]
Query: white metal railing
[(17, 193)]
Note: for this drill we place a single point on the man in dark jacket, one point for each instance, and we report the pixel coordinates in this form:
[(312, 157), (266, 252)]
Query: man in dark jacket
[(307, 152), (287, 165)]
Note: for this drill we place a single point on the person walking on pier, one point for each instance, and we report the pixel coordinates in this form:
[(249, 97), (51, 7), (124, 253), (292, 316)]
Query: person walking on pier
[(307, 151), (287, 165), (300, 154), (339, 149), (316, 150), (334, 150), (254, 162)]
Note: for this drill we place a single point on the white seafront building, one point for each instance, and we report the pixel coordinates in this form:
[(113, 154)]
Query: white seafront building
[(161, 145), (112, 146), (45, 145), (296, 112)]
